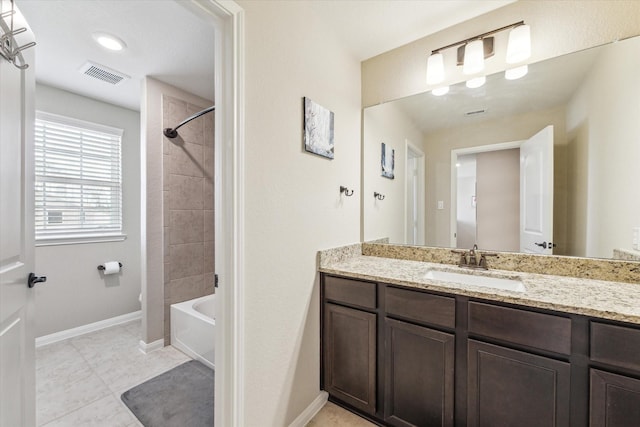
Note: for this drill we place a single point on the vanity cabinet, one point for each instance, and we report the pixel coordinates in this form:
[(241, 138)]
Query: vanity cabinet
[(350, 342), (507, 387), (513, 387), (419, 375), (403, 356), (419, 361), (614, 396)]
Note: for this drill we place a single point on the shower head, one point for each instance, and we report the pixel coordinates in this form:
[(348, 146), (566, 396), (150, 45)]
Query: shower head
[(173, 132)]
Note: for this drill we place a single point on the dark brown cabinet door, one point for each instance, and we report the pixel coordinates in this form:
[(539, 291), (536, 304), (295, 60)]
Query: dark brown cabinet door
[(419, 369), (350, 356), (513, 388), (615, 400)]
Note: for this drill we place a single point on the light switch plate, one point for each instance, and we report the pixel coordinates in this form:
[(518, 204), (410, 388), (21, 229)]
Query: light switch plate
[(440, 204)]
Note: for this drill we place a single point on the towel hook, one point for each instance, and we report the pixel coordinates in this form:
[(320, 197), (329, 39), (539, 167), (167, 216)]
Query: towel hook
[(346, 191), (378, 196), (8, 47)]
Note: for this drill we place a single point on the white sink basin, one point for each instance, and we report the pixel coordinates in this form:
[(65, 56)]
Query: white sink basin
[(513, 285)]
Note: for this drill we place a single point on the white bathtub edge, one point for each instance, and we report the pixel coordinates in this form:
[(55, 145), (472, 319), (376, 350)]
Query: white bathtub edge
[(152, 346), (85, 329), (311, 410)]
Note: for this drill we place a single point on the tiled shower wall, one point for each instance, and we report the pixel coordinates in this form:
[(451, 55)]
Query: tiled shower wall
[(188, 171)]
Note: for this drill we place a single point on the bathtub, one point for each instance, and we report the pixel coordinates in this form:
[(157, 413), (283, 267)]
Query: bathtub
[(193, 326)]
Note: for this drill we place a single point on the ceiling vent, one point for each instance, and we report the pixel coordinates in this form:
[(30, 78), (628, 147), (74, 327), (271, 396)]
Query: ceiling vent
[(475, 112), (103, 73)]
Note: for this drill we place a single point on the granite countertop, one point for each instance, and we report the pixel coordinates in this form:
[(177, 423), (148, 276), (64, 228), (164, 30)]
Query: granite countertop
[(596, 298)]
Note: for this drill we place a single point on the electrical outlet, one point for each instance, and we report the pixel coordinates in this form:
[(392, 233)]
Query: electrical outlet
[(635, 241)]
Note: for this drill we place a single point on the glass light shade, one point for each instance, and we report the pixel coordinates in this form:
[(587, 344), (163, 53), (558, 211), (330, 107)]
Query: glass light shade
[(440, 91), (435, 69), (109, 41), (516, 73), (519, 45), (473, 57), (476, 82)]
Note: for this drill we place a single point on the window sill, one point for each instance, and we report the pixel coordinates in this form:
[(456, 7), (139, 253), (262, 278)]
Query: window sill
[(78, 240)]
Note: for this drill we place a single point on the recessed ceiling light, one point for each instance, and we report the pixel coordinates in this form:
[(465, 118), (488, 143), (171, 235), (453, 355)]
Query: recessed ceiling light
[(109, 41)]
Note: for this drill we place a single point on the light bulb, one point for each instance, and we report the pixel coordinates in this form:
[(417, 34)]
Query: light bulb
[(473, 57), (435, 69), (519, 45)]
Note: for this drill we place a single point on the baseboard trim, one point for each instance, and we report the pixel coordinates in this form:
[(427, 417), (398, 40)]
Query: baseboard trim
[(152, 346), (85, 329), (311, 410)]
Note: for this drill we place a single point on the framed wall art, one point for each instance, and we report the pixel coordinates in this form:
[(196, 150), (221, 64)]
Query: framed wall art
[(387, 161), (318, 129)]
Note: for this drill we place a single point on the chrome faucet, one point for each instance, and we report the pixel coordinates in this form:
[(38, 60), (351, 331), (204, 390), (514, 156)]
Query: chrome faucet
[(473, 258)]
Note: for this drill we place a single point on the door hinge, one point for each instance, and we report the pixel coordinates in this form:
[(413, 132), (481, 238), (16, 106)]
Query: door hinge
[(216, 280)]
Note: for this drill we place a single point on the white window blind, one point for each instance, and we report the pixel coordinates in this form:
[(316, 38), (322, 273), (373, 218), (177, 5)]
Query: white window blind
[(78, 182)]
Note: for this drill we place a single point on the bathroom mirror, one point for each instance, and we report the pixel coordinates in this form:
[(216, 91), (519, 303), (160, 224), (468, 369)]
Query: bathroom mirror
[(457, 158)]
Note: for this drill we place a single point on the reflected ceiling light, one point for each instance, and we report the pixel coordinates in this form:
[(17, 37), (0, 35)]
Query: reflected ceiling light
[(435, 69), (473, 51), (476, 82), (473, 57), (109, 41), (516, 73), (440, 91), (519, 46)]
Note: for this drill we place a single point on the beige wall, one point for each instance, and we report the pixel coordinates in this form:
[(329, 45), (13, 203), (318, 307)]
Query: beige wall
[(438, 146), (604, 130), (176, 186), (188, 165), (557, 28), (498, 200), (386, 218), (76, 293), (293, 207)]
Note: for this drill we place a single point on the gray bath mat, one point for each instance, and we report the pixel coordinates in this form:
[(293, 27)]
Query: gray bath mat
[(181, 397)]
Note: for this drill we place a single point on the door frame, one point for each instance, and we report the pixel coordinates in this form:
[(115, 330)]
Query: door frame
[(420, 201), (453, 214), (227, 18)]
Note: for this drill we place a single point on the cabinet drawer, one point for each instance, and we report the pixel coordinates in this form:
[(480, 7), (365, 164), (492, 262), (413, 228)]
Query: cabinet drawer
[(421, 306), (543, 331), (350, 291), (615, 345)]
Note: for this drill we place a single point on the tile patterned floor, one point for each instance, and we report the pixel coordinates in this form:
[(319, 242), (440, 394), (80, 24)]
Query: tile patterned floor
[(79, 381), (332, 415)]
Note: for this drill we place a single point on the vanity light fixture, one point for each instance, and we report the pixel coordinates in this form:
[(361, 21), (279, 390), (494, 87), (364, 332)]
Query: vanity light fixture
[(473, 51), (473, 57), (435, 69), (109, 41), (519, 46)]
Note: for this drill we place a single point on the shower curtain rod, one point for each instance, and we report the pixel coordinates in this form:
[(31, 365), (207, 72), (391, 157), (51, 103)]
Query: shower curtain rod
[(172, 133)]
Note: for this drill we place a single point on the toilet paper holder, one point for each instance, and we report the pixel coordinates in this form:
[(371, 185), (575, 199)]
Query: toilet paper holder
[(101, 267)]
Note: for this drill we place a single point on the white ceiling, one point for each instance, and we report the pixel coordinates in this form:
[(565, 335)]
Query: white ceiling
[(372, 27), (164, 40), (167, 41)]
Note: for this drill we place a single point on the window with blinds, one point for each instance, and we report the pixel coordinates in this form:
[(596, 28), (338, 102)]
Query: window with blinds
[(78, 185)]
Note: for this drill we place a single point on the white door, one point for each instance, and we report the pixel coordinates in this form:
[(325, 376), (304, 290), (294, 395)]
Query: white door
[(536, 193), (17, 366), (414, 196)]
